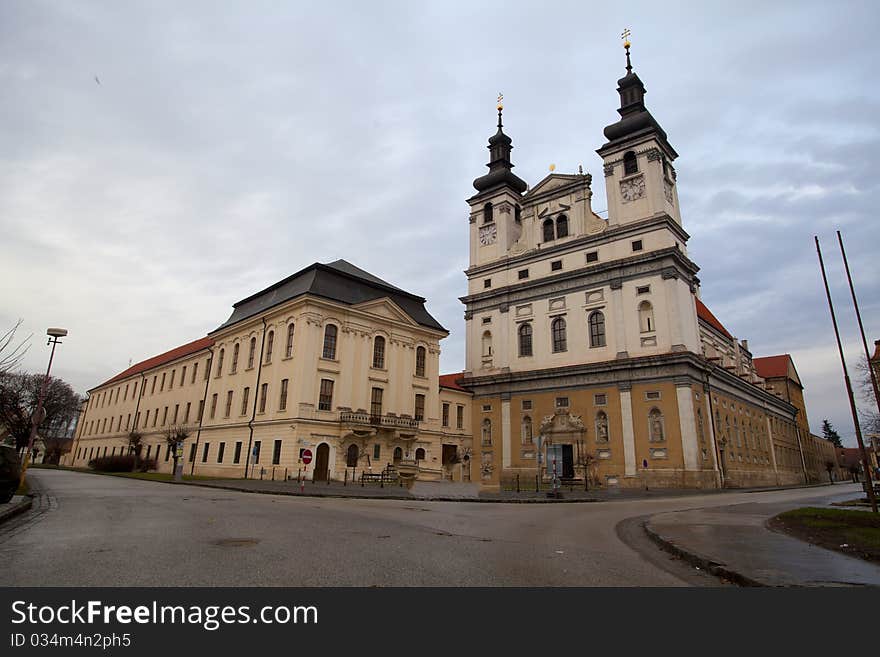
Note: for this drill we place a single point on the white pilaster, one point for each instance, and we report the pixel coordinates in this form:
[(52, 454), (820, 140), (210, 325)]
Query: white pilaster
[(629, 440), (506, 447), (687, 424)]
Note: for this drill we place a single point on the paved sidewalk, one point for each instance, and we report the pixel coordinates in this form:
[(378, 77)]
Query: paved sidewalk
[(18, 504), (734, 542)]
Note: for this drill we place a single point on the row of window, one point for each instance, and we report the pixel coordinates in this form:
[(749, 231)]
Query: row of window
[(656, 428), (378, 352), (459, 416), (353, 455)]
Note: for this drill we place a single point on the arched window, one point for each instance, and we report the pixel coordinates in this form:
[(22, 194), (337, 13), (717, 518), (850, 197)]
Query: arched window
[(420, 454), (330, 332), (561, 226), (487, 344), (486, 432), (420, 361), (270, 344), (597, 329), (525, 339), (220, 362), (398, 454), (558, 331), (234, 359), (288, 349), (548, 230), (601, 427), (487, 213), (351, 456), (630, 165), (379, 352), (526, 430), (251, 352), (646, 317), (656, 432)]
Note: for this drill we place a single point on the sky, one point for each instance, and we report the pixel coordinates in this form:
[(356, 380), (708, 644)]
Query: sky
[(160, 161)]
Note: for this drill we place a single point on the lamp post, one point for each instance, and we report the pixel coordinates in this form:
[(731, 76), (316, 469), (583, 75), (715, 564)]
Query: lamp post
[(39, 413)]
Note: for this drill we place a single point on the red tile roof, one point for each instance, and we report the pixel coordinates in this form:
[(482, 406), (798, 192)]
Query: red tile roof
[(161, 359), (706, 315), (771, 367), (451, 381)]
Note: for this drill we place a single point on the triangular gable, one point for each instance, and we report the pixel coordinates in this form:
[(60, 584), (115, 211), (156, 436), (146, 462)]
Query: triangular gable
[(553, 181), (385, 307)]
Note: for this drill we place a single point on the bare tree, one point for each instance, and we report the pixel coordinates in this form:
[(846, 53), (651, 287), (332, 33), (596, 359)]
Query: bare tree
[(585, 459), (19, 395), (135, 445), (174, 436), (11, 353), (870, 417), (56, 446)]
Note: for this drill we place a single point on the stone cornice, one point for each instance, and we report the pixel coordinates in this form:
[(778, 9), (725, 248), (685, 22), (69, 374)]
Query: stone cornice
[(611, 234), (668, 263)]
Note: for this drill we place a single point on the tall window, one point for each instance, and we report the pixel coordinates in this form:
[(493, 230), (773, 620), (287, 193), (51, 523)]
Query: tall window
[(525, 339), (700, 432), (379, 352), (487, 344), (420, 361), (213, 405), (557, 328), (487, 213), (264, 391), (236, 455), (276, 453), (597, 329), (221, 448), (420, 408), (420, 454), (655, 426), (208, 362), (220, 362), (601, 427), (234, 359), (170, 383), (228, 403), (244, 400), (282, 400), (486, 432), (376, 402), (162, 387), (251, 352), (288, 349), (201, 409), (330, 342), (270, 344), (445, 415), (646, 317), (325, 398), (548, 230), (459, 417), (561, 226), (183, 375), (630, 165), (195, 372), (526, 430)]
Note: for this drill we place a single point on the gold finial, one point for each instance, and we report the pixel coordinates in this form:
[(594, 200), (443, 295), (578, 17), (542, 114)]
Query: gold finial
[(552, 168), (625, 36), (500, 99)]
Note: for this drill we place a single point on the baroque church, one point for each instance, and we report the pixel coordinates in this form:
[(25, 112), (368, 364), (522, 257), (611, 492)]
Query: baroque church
[(589, 356), (589, 352)]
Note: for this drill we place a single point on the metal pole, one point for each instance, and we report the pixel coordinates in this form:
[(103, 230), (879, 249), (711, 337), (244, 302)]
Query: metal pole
[(861, 326), (849, 390), (37, 417)]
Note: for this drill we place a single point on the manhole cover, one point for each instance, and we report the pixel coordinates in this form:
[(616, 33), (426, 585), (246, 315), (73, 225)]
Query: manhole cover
[(236, 542)]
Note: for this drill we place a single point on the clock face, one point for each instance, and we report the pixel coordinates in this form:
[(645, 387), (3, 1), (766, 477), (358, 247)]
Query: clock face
[(632, 189), (487, 234)]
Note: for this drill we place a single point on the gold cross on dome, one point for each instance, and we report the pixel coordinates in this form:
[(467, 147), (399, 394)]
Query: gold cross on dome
[(625, 36)]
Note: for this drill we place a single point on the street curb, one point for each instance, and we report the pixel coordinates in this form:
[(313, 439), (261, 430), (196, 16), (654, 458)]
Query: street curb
[(699, 560), (18, 509)]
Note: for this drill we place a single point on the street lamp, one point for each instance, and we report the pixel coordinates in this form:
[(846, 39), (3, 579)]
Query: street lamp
[(39, 413)]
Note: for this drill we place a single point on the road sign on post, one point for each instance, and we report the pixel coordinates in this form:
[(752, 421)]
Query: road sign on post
[(307, 456)]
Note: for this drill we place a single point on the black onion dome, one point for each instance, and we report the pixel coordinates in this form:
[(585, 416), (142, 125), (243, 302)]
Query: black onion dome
[(500, 165)]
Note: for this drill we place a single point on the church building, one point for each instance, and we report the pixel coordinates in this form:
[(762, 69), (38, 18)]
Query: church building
[(589, 352)]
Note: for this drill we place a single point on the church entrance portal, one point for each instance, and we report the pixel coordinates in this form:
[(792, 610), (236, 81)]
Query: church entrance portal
[(322, 461)]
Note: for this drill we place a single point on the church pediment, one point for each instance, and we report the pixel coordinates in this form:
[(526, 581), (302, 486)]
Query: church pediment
[(385, 307), (561, 422), (553, 181)]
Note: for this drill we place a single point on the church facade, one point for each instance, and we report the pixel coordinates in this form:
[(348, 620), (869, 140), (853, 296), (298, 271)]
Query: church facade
[(589, 352)]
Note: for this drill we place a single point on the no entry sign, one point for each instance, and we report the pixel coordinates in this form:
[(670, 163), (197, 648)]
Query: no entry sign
[(307, 456)]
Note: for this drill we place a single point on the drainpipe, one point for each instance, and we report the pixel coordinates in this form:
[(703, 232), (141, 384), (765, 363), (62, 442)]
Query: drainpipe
[(192, 467), (137, 406), (801, 450), (247, 460), (83, 413)]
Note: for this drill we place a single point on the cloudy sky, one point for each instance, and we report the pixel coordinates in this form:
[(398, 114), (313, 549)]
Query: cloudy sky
[(160, 161)]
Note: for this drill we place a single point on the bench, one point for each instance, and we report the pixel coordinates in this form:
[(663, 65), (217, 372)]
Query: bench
[(369, 478), (876, 485)]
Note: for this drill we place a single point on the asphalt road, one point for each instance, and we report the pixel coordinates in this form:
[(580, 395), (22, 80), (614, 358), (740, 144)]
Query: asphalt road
[(89, 530)]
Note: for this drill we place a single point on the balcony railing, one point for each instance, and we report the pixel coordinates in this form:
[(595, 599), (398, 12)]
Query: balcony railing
[(389, 421)]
